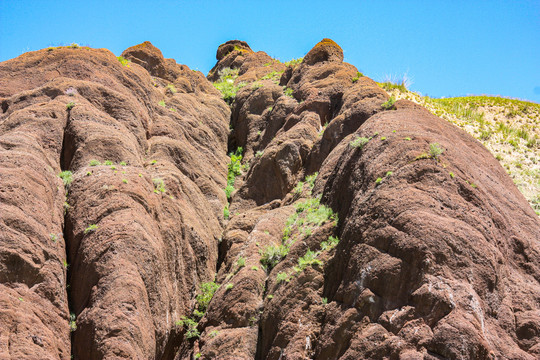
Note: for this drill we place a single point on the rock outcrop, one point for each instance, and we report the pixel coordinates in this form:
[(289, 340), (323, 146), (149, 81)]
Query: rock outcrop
[(355, 228)]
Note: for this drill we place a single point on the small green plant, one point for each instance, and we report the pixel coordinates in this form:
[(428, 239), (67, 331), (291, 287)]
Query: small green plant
[(293, 62), (225, 84), (123, 163), (90, 228), (452, 175), (359, 142), (72, 322), (234, 170), (191, 327), (270, 296), (113, 167), (208, 290), (229, 189), (378, 181), (252, 321), (124, 61), (125, 181), (389, 173), (272, 75), (162, 103), (255, 268), (288, 92), (389, 104), (330, 243), (198, 355), (408, 139), (259, 153), (94, 163), (70, 105), (65, 263), (159, 185), (213, 333), (310, 179), (393, 82), (435, 150), (229, 286), (299, 187), (309, 259), (281, 276), (241, 262), (153, 162), (256, 85), (272, 255), (358, 76), (74, 46), (67, 177), (53, 237), (383, 138), (324, 301), (226, 212), (171, 88)]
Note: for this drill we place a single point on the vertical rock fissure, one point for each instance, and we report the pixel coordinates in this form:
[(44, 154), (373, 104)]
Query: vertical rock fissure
[(65, 162)]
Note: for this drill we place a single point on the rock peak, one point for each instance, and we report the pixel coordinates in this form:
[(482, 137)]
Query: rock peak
[(325, 50)]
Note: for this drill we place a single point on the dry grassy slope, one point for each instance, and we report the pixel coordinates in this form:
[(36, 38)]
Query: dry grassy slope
[(509, 128)]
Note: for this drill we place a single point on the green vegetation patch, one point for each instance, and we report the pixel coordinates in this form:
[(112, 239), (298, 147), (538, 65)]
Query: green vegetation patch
[(225, 84)]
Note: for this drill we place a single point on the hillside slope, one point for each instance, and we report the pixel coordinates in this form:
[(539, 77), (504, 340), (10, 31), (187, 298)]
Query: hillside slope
[(286, 211)]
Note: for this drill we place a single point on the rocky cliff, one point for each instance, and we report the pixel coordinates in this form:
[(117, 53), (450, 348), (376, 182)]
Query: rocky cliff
[(298, 213)]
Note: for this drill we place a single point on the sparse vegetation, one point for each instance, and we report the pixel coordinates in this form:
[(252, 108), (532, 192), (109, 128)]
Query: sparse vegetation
[(208, 290), (162, 103), (67, 177), (282, 276), (159, 185), (94, 163), (274, 75), (190, 326), (272, 255), (288, 92), (359, 142), (124, 61), (226, 85), (234, 170), (171, 88), (293, 62), (70, 105), (309, 215), (309, 259), (72, 322), (358, 76), (389, 104), (90, 228), (330, 243), (435, 150), (229, 286)]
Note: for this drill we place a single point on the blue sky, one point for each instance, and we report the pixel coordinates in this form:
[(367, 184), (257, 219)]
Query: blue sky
[(447, 48)]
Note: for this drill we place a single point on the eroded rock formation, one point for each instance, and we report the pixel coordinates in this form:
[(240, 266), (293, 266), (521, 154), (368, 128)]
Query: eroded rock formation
[(355, 228)]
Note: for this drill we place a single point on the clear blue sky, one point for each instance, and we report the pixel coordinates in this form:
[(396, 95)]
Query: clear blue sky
[(448, 48)]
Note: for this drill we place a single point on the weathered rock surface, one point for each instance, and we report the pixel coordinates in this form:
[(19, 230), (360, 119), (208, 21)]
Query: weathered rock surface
[(156, 210), (410, 243)]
